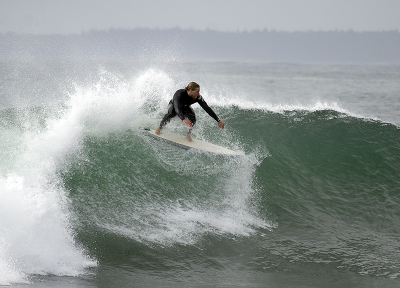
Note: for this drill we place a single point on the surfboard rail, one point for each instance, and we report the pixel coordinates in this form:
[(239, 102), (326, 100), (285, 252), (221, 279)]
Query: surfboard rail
[(182, 142)]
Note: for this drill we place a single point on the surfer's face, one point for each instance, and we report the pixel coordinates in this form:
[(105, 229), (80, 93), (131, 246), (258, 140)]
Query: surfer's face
[(194, 93)]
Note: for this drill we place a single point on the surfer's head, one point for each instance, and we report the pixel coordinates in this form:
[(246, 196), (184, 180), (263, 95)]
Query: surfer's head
[(193, 89), (192, 86)]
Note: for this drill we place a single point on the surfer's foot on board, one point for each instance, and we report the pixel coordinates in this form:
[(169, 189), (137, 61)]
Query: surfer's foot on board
[(188, 137), (158, 131)]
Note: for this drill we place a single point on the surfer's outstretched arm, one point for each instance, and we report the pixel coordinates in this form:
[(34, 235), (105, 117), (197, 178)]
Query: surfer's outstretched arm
[(210, 112)]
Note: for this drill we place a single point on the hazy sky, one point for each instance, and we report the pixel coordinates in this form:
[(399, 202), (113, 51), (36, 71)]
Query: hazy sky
[(75, 16)]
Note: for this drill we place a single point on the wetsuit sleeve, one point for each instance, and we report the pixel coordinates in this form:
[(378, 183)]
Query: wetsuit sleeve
[(178, 104), (207, 108)]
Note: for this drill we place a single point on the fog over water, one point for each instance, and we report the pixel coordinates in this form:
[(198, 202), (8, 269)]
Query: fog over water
[(192, 45), (74, 16)]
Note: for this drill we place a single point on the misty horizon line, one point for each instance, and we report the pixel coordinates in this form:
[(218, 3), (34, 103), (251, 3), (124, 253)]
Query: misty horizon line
[(208, 45), (238, 31)]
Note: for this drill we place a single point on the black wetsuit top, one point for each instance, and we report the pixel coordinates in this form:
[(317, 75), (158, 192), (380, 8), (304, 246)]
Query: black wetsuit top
[(182, 99)]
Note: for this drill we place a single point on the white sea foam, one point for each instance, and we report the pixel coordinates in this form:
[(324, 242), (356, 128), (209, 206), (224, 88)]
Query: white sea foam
[(245, 103), (35, 233), (35, 236)]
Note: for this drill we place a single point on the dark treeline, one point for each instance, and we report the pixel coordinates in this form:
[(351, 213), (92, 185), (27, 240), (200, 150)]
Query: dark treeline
[(193, 45)]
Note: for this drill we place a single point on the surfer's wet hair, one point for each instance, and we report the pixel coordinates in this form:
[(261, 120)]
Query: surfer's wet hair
[(192, 86)]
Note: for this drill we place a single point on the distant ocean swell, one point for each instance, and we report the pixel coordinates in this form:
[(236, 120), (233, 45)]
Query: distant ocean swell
[(316, 185)]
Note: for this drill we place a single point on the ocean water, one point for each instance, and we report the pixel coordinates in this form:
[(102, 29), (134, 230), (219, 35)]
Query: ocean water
[(88, 200)]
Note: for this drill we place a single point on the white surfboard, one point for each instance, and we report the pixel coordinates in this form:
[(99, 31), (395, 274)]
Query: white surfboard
[(181, 141)]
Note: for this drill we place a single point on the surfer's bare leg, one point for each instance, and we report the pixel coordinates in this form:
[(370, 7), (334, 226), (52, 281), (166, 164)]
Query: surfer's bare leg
[(188, 137), (189, 113), (158, 131), (187, 123)]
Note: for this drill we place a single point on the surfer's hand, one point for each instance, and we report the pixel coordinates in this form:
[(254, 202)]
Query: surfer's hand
[(186, 122), (221, 124)]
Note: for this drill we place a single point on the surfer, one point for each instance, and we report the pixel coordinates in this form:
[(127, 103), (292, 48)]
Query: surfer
[(180, 106)]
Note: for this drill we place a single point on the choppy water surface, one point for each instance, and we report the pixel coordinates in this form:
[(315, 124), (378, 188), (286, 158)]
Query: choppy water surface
[(88, 200)]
